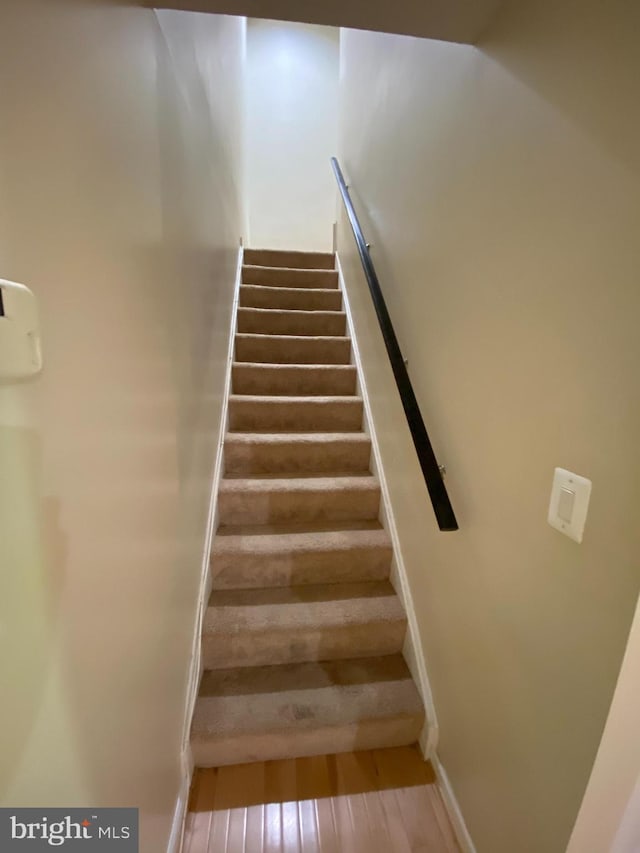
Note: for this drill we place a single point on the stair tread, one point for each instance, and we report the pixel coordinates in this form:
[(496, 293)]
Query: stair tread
[(297, 540), (282, 257), (296, 312), (289, 414), (309, 270), (306, 380), (262, 337), (303, 366), (294, 372), (298, 528), (304, 696), (296, 437), (292, 349), (309, 607), (278, 290), (289, 276), (311, 399), (290, 322), (296, 483), (342, 474)]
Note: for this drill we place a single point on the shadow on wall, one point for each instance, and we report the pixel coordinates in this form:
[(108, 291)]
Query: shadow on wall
[(600, 43), (32, 560)]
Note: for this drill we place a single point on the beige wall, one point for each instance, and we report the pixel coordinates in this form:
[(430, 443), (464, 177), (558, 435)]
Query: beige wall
[(499, 188), (119, 170), (292, 131)]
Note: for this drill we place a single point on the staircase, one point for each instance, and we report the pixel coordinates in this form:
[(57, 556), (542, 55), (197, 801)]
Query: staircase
[(303, 632)]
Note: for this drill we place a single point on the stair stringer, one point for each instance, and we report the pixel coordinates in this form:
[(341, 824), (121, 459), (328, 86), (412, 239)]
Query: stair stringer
[(412, 649), (196, 668)]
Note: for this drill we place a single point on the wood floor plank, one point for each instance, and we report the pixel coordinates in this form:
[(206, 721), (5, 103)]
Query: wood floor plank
[(312, 778), (254, 842), (394, 822), (376, 819), (237, 830), (420, 823), (273, 828), (291, 841), (280, 783), (193, 790), (402, 767), (356, 773), (196, 831), (203, 790), (364, 838), (240, 785), (362, 802), (199, 817), (343, 824), (327, 833), (440, 812), (308, 822), (219, 837)]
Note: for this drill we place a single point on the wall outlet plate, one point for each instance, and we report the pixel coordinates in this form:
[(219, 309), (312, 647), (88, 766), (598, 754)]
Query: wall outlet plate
[(569, 503)]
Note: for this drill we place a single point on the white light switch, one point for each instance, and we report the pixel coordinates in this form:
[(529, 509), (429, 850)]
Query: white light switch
[(569, 503), (565, 504)]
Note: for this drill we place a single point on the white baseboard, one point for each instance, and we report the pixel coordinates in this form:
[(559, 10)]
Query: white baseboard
[(195, 667), (179, 816), (453, 807), (413, 646)]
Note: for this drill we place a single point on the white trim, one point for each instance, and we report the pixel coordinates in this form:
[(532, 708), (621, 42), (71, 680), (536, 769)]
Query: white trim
[(179, 816), (453, 807), (195, 667), (413, 646)]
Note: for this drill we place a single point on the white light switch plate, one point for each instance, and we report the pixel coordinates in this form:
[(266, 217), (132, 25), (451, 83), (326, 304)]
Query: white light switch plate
[(569, 503)]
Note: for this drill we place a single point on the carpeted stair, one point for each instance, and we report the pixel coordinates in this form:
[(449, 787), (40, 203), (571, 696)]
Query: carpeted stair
[(302, 638)]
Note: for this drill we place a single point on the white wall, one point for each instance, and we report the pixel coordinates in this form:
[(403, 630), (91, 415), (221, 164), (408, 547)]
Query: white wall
[(627, 837), (292, 121), (500, 189), (609, 818), (119, 180)]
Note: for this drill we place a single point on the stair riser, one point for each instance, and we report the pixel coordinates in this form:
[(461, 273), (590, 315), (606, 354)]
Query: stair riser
[(290, 300), (294, 381), (271, 746), (272, 322), (274, 647), (265, 350), (296, 457), (280, 277), (298, 506), (254, 571), (296, 260), (276, 416)]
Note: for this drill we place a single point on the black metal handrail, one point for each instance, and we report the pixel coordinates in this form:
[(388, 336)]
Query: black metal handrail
[(426, 457)]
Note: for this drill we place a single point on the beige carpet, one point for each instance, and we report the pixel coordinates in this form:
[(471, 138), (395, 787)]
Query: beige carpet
[(303, 634)]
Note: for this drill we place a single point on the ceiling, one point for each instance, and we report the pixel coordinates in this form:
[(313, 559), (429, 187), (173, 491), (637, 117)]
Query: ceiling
[(447, 20)]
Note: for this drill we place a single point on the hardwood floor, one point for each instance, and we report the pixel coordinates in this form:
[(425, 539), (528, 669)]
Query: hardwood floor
[(379, 801)]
